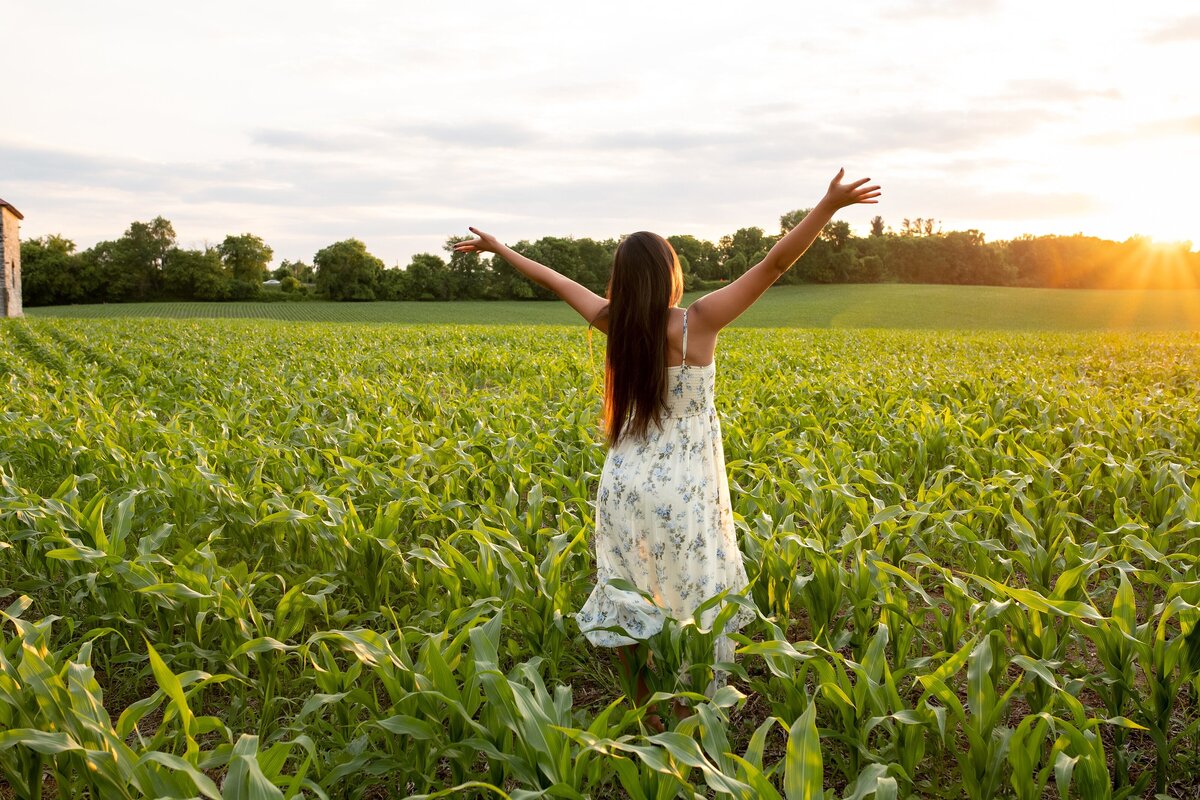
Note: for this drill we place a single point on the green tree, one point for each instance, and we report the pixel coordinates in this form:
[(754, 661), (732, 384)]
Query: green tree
[(872, 252), (346, 271), (702, 256), (197, 275), (51, 272), (743, 249), (920, 226), (131, 267), (870, 269), (877, 226), (595, 262), (427, 277), (904, 258), (819, 264), (464, 273), (392, 285), (246, 258), (297, 269), (504, 282), (560, 254), (99, 260), (685, 266), (837, 232)]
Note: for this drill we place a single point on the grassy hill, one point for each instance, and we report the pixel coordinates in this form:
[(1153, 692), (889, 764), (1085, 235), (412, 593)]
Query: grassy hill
[(841, 306)]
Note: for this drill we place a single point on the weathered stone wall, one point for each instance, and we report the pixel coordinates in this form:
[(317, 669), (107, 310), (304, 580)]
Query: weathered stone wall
[(10, 248)]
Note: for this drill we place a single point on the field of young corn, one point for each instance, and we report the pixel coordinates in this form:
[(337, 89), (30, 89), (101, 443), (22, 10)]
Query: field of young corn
[(266, 560)]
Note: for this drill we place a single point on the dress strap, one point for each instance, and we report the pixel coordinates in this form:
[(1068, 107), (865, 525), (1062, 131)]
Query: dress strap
[(685, 337)]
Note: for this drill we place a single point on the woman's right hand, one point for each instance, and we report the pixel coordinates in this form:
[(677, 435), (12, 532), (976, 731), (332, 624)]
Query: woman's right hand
[(486, 243), (841, 194)]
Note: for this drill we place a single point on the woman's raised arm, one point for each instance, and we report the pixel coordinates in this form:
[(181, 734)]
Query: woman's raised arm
[(577, 296), (721, 307)]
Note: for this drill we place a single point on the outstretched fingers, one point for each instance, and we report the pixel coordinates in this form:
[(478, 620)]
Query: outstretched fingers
[(478, 245), (866, 194)]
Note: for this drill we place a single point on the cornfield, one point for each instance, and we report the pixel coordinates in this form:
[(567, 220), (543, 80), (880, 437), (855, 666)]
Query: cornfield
[(267, 560)]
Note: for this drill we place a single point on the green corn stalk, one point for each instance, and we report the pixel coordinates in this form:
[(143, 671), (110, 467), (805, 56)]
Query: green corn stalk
[(1167, 663), (299, 575)]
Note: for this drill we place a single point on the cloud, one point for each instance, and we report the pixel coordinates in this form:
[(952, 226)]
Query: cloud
[(397, 137), (780, 134), (307, 141), (874, 135), (43, 165), (1048, 90), (667, 140), (942, 9), (985, 206), (1178, 127), (469, 134), (331, 228), (947, 129), (761, 134), (292, 181), (589, 90), (606, 174), (1181, 30)]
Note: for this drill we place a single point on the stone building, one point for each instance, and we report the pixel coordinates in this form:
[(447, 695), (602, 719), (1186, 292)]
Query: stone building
[(10, 252)]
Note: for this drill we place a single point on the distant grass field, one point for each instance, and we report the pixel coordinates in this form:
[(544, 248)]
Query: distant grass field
[(843, 306)]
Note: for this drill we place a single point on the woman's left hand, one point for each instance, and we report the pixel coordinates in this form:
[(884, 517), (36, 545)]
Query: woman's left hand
[(841, 194), (486, 243)]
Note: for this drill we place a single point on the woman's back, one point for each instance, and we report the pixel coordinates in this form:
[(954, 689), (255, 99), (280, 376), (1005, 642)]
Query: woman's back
[(700, 345), (690, 388)]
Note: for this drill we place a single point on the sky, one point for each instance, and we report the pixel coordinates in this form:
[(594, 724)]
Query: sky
[(401, 123)]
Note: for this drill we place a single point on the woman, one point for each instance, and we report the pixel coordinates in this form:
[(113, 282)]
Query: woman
[(663, 517)]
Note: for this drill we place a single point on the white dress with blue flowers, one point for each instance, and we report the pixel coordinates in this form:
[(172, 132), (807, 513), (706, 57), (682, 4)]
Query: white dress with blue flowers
[(664, 521)]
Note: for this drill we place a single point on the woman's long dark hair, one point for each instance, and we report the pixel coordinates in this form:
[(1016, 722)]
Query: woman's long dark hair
[(646, 282)]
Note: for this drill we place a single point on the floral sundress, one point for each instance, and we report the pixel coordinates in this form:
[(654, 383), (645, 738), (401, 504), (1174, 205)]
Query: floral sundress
[(664, 521)]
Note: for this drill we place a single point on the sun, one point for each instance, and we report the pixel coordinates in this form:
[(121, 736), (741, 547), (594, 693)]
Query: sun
[(1141, 262), (1142, 269)]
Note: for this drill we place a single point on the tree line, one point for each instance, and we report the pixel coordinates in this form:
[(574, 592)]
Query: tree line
[(146, 263)]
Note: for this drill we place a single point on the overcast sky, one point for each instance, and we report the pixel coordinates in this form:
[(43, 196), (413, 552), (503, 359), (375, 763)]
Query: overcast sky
[(402, 123)]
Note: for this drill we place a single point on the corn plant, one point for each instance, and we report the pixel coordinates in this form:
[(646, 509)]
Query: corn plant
[(254, 558)]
